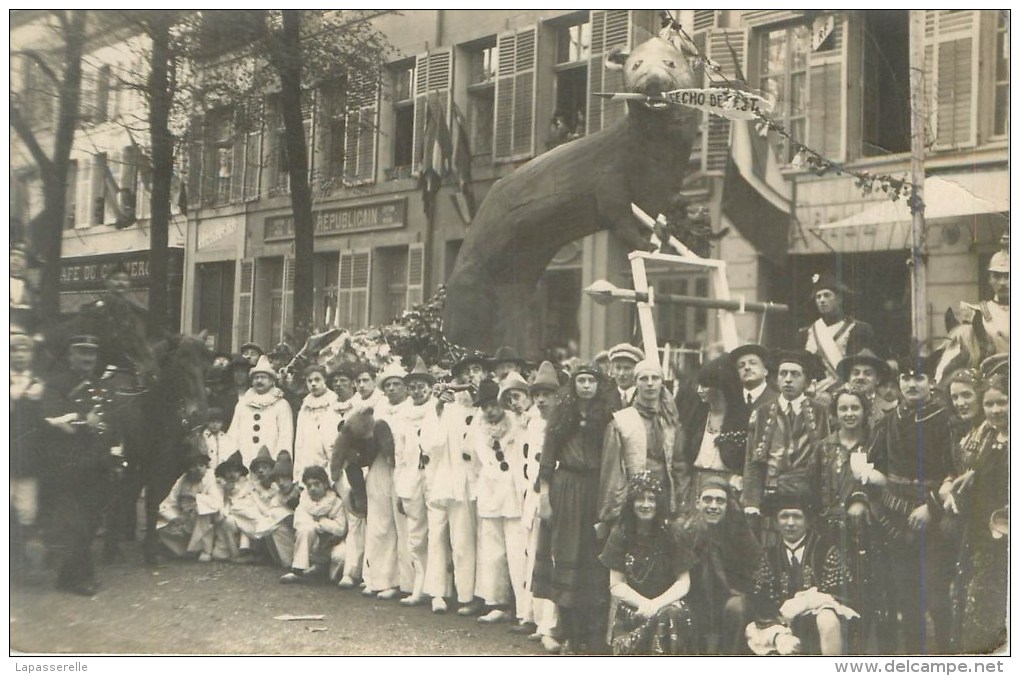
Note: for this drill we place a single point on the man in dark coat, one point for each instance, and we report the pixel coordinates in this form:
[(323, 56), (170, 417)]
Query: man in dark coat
[(622, 359), (83, 456), (752, 364), (26, 428), (912, 455), (727, 556)]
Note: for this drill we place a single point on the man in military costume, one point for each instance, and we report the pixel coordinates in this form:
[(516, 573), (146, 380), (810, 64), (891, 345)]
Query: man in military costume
[(83, 456), (835, 333), (994, 313), (122, 327)]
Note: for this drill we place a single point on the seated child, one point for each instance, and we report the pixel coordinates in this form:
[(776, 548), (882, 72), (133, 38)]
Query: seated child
[(232, 478), (288, 491), (261, 517), (214, 437), (321, 526), (185, 515)]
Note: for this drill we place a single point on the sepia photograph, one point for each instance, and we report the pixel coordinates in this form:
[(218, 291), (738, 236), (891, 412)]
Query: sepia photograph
[(510, 332)]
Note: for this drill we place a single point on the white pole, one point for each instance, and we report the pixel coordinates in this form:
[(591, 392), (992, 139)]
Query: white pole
[(919, 276)]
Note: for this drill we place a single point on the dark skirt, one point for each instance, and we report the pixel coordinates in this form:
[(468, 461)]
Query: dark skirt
[(984, 611), (670, 632), (567, 569)]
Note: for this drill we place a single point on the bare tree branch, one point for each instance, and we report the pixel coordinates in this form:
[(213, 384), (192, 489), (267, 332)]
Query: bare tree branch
[(38, 60), (27, 136)]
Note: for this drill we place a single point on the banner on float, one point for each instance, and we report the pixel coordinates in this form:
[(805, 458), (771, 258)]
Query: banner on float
[(731, 104)]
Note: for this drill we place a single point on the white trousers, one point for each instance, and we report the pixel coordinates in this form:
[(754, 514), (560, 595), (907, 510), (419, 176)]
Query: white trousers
[(501, 562), (25, 500), (381, 529), (452, 537), (540, 611), (416, 541), (311, 547), (354, 555)]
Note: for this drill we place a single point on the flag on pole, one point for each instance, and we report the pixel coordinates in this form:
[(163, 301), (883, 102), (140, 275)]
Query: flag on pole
[(121, 201), (182, 197), (429, 180), (756, 198), (464, 198)]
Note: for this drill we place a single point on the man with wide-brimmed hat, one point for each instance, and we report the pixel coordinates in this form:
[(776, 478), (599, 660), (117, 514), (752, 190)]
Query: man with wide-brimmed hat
[(782, 437), (866, 372), (835, 333), (504, 362), (752, 364), (81, 460), (911, 455), (262, 416)]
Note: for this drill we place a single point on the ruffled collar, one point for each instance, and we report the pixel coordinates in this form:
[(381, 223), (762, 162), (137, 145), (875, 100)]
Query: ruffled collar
[(261, 401), (320, 403)]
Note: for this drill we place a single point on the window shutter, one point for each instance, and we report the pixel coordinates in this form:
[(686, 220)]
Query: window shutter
[(728, 48), (415, 275), (237, 165), (89, 82), (83, 197), (128, 181), (253, 150), (433, 79), (704, 19), (609, 28), (70, 199), (352, 294), (514, 127), (195, 155), (246, 287), (288, 296), (362, 127), (949, 62), (826, 88)]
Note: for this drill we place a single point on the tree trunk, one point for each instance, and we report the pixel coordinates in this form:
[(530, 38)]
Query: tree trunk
[(47, 228), (162, 170), (288, 63)]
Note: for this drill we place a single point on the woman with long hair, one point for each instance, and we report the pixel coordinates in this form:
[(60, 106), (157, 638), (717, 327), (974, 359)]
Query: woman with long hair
[(567, 569), (844, 514), (649, 575), (985, 505), (717, 427)]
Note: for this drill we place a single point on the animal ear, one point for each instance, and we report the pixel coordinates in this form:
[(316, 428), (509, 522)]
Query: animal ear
[(616, 58)]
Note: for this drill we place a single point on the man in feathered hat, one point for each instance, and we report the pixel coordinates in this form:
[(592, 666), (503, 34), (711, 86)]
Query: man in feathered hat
[(835, 333), (911, 454)]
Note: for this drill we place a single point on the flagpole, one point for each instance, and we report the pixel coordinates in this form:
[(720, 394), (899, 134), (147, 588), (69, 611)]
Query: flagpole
[(918, 255)]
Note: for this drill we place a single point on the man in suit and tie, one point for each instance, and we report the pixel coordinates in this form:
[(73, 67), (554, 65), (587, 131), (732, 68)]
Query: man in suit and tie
[(801, 580), (783, 437), (622, 359), (752, 361)]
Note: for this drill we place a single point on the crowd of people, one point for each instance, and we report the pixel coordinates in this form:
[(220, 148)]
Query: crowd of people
[(817, 500)]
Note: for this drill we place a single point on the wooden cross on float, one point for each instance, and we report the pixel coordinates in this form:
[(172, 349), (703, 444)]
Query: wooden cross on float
[(643, 295)]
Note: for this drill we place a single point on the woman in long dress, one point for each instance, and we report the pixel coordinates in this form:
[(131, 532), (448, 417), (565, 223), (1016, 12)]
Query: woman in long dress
[(567, 569), (649, 576), (986, 536)]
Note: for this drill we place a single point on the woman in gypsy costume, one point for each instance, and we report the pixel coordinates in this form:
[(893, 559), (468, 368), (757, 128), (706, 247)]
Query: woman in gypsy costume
[(986, 536), (567, 570), (844, 515), (649, 576)]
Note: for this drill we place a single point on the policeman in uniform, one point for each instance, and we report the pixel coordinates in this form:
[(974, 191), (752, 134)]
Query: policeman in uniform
[(83, 457), (994, 313)]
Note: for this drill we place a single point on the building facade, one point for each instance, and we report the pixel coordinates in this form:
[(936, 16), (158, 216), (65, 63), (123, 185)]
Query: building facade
[(523, 81)]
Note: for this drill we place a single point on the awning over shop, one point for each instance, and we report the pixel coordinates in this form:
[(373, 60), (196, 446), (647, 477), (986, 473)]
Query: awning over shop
[(973, 198)]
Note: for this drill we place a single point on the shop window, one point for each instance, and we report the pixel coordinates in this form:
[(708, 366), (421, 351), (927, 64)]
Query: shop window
[(482, 96), (403, 115), (886, 97)]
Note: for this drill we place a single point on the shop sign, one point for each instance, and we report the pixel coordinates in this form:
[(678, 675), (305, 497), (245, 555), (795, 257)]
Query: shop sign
[(89, 272), (361, 218)]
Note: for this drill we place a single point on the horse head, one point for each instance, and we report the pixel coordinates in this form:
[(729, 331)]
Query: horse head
[(183, 364), (966, 347)]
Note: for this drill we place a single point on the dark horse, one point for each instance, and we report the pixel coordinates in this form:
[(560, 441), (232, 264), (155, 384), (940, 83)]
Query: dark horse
[(156, 424)]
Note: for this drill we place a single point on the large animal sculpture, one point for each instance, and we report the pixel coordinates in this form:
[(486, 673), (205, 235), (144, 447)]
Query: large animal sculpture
[(572, 191)]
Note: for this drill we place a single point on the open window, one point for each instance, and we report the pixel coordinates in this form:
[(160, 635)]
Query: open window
[(886, 92)]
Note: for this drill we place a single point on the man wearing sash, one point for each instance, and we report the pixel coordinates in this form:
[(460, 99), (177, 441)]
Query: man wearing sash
[(994, 313), (835, 334)]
